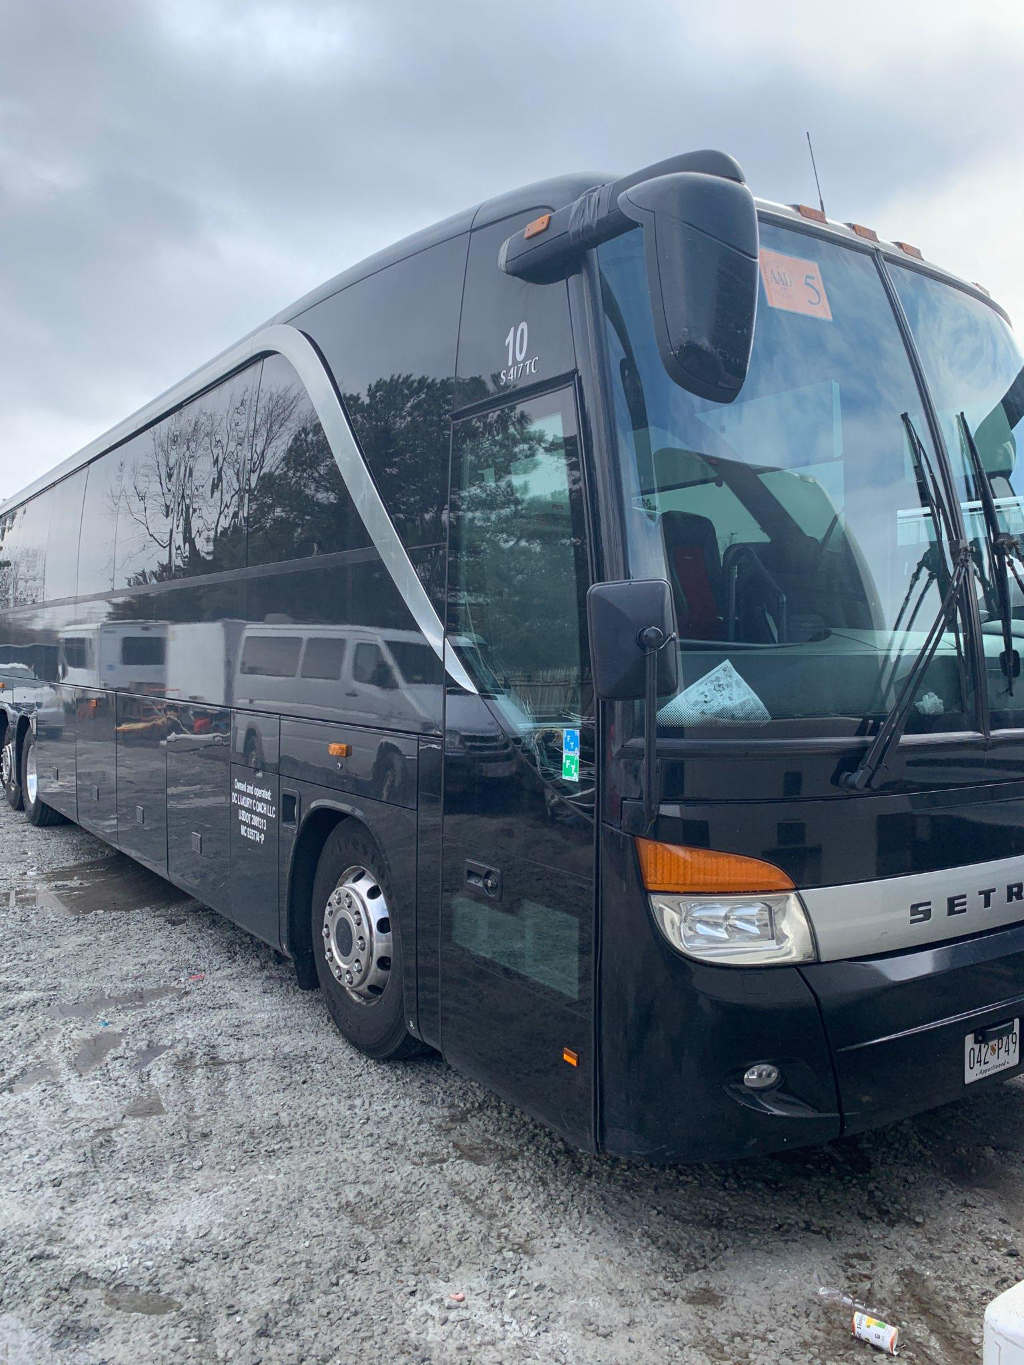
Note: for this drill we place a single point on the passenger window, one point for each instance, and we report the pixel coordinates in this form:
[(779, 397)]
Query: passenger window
[(271, 656), (23, 553), (145, 516), (99, 514), (323, 658), (62, 545), (298, 503), (395, 366), (210, 439)]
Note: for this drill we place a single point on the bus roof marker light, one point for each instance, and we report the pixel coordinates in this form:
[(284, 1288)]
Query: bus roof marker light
[(674, 867), (914, 251), (868, 233), (806, 211)]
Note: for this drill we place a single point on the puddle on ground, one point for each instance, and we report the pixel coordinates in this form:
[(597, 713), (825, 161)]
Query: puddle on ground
[(147, 1055), (126, 1299), (32, 1075), (95, 1050), (145, 1107), (114, 883), (101, 1004)]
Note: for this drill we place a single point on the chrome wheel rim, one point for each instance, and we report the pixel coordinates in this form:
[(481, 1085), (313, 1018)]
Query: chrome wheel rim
[(357, 935), (31, 779)]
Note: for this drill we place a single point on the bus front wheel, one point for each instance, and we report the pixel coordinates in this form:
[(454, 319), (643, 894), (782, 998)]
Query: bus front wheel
[(357, 953)]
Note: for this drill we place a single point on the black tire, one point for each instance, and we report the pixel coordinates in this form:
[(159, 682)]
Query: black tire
[(10, 770), (375, 1026), (38, 812)]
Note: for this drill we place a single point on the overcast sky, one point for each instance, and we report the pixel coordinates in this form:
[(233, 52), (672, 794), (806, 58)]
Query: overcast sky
[(172, 173)]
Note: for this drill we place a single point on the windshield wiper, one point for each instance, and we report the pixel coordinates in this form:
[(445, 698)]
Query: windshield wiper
[(954, 576), (1005, 548)]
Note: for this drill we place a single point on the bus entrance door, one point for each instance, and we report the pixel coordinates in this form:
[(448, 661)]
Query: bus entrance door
[(517, 913)]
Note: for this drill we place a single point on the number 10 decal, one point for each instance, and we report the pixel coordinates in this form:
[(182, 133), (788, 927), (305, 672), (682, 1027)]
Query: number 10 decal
[(520, 363), (517, 342)]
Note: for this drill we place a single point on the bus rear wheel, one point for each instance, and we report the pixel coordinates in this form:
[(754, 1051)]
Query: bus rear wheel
[(357, 953), (38, 812), (9, 774)]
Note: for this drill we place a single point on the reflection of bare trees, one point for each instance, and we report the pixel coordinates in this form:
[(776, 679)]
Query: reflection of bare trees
[(515, 578)]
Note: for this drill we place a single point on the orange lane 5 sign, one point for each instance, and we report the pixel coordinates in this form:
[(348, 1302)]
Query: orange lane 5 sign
[(794, 284)]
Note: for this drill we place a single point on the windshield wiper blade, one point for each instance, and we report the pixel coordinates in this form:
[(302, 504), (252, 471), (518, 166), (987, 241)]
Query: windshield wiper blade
[(955, 575), (893, 725), (1004, 547)]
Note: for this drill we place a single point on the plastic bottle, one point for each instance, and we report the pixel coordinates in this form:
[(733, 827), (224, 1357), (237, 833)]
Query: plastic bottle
[(864, 1324)]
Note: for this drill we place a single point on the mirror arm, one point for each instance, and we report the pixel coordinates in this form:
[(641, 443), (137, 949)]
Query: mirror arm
[(652, 640)]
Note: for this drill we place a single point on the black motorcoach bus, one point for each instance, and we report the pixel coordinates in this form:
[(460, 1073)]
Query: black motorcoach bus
[(585, 638)]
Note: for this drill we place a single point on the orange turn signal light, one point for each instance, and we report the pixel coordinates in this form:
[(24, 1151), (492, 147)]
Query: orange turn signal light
[(339, 750), (674, 867), (538, 226), (568, 1055)]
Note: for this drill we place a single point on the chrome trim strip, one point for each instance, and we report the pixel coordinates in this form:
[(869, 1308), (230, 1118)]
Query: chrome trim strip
[(862, 919), (299, 351)]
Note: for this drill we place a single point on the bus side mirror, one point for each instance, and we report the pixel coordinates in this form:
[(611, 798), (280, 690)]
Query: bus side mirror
[(700, 246), (618, 615)]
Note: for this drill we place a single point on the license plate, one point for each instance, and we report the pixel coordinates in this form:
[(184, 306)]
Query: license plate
[(985, 1059)]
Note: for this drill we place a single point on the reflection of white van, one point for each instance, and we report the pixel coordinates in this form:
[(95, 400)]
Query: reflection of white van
[(115, 654), (389, 680)]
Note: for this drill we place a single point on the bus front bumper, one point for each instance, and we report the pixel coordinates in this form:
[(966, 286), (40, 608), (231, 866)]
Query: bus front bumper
[(897, 1025)]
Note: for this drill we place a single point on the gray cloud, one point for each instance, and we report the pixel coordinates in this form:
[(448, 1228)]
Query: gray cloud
[(172, 174)]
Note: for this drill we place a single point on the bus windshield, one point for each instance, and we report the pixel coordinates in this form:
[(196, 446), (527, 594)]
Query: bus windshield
[(795, 524), (973, 365)]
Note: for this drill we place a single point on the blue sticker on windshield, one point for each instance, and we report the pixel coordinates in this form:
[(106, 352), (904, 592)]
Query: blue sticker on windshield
[(571, 755)]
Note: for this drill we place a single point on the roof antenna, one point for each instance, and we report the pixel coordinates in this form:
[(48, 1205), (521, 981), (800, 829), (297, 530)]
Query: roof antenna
[(814, 168)]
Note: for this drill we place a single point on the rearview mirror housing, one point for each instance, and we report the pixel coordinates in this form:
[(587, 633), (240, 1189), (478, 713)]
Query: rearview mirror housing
[(617, 613), (701, 251)]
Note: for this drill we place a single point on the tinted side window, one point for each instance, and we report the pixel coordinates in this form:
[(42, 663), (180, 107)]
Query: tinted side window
[(23, 553), (390, 342), (272, 656), (323, 658), (298, 503), (145, 518), (62, 544), (99, 524), (512, 333), (211, 438)]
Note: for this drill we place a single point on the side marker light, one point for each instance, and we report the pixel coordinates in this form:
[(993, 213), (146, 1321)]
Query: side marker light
[(538, 226), (339, 750), (568, 1055)]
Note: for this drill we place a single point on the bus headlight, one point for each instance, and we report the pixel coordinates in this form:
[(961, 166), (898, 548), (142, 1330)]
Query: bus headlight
[(736, 930)]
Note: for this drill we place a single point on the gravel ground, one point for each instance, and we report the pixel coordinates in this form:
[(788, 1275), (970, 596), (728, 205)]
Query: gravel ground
[(196, 1167)]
